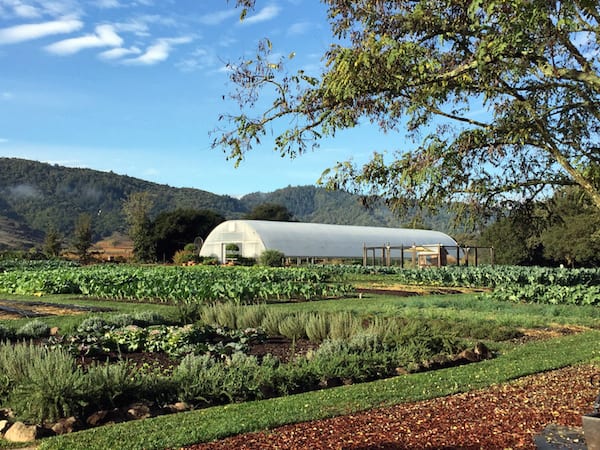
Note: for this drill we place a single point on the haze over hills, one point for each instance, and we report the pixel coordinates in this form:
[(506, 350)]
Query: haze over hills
[(35, 197)]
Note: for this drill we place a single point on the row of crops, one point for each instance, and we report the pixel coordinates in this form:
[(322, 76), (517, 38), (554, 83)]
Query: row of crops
[(250, 284), (509, 283), (162, 283)]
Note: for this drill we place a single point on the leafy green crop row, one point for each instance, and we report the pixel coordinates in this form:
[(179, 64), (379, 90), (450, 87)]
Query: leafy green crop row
[(203, 284), (481, 276)]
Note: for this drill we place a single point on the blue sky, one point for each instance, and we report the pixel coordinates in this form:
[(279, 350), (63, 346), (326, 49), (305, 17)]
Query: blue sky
[(136, 86)]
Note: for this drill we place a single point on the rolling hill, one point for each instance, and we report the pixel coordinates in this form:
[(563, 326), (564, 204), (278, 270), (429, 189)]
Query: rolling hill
[(35, 197)]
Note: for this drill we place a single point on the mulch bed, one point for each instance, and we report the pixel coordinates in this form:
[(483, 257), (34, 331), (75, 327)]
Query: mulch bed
[(506, 416)]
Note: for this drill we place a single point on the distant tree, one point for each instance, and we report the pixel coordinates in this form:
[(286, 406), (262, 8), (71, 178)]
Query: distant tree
[(270, 211), (136, 209), (516, 237), (52, 243), (174, 229), (572, 236), (271, 258), (83, 236)]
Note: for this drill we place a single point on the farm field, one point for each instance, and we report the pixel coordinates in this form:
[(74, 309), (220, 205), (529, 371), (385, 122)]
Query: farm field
[(341, 340)]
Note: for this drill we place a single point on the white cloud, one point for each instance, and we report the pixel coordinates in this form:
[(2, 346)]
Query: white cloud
[(6, 95), (158, 52), (267, 13), (104, 36), (218, 17), (298, 28), (117, 53), (27, 32), (26, 11), (3, 141)]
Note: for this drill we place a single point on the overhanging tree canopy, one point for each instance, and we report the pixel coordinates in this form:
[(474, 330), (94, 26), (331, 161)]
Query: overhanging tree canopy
[(422, 65)]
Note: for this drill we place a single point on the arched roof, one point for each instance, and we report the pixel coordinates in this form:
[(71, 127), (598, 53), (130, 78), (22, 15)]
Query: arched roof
[(300, 239)]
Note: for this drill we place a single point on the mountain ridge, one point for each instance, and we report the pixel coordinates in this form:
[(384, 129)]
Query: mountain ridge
[(37, 196)]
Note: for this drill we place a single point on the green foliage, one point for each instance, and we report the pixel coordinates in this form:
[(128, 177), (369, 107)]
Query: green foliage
[(52, 243), (343, 326), (82, 238), (271, 258), (270, 211), (172, 230), (51, 388), (401, 70), (34, 329), (317, 327), (293, 327), (188, 286)]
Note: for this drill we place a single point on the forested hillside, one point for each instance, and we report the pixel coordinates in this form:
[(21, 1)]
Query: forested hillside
[(36, 197)]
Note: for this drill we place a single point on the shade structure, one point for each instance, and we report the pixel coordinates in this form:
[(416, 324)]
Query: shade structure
[(311, 240)]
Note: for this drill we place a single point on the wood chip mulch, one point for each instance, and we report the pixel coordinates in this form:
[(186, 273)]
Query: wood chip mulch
[(506, 416)]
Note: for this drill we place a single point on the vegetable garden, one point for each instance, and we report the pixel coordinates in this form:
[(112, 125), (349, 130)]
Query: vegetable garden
[(208, 322)]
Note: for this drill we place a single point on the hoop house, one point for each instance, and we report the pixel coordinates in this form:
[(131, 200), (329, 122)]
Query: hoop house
[(312, 240)]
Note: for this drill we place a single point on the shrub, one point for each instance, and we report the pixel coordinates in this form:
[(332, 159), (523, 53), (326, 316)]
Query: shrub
[(271, 258), (317, 327), (113, 384), (252, 316), (53, 387), (121, 320), (343, 326), (271, 321), (198, 380), (293, 327), (14, 363), (147, 318), (34, 330), (93, 325), (6, 332)]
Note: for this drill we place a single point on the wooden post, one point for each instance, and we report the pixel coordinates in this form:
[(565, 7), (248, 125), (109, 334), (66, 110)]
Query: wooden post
[(467, 250), (476, 257), (402, 256), (364, 254)]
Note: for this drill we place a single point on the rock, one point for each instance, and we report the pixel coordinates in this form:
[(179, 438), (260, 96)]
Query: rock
[(54, 331), (138, 411), (4, 424), (19, 432), (65, 425), (177, 407), (97, 418)]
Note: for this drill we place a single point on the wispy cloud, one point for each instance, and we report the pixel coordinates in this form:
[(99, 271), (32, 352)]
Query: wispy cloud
[(158, 52), (118, 53), (105, 36), (28, 32), (107, 4), (26, 11), (3, 140), (267, 13), (6, 95), (298, 28), (200, 59), (218, 17)]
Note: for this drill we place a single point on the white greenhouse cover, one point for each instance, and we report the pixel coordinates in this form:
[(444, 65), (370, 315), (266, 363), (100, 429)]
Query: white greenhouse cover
[(298, 239)]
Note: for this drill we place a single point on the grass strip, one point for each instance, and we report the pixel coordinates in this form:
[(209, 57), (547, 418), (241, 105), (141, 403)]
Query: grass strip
[(177, 430)]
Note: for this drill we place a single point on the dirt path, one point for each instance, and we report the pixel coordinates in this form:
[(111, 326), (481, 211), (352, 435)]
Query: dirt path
[(507, 416)]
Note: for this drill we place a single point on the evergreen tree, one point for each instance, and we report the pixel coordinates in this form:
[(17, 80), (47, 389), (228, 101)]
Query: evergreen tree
[(52, 243), (83, 236)]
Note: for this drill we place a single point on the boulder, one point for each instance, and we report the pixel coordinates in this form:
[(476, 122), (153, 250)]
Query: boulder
[(4, 424), (65, 425), (19, 432), (138, 411)]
